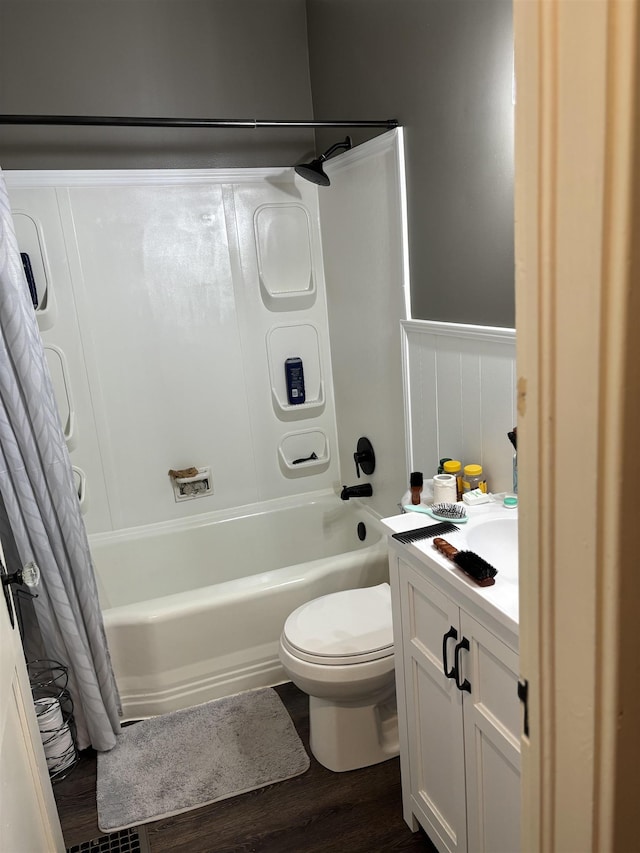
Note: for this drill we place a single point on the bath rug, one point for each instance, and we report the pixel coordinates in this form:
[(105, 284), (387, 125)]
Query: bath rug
[(180, 761)]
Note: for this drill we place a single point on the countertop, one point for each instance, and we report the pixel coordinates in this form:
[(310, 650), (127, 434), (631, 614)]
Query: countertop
[(499, 601)]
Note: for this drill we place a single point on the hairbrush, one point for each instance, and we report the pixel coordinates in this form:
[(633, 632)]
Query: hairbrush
[(475, 567), (452, 512)]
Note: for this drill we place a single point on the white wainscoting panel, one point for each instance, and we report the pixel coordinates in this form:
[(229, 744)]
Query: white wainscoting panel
[(460, 398)]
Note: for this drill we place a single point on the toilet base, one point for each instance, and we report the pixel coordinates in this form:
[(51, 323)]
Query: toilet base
[(347, 736)]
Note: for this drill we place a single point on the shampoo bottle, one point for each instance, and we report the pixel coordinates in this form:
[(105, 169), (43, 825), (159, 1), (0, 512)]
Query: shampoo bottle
[(294, 378)]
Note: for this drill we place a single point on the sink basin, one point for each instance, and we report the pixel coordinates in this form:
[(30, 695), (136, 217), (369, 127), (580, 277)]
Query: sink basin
[(496, 541)]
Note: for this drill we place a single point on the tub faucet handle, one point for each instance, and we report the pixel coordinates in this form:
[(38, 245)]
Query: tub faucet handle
[(364, 457)]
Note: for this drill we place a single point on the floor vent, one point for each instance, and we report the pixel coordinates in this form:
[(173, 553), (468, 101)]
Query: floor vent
[(132, 840)]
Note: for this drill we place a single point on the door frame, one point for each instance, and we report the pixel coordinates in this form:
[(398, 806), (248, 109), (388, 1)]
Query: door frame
[(577, 207)]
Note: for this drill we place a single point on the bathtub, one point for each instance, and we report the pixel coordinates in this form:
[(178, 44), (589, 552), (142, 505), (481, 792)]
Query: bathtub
[(193, 610)]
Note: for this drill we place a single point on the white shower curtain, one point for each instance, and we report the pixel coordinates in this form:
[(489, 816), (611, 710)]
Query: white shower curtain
[(38, 490)]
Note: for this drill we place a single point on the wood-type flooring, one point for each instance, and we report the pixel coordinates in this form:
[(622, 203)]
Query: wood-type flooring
[(355, 812)]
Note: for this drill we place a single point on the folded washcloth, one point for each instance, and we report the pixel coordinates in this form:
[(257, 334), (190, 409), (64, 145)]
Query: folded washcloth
[(184, 472)]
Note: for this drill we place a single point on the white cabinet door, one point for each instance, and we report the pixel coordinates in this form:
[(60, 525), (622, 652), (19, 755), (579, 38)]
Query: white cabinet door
[(491, 713), (434, 711)]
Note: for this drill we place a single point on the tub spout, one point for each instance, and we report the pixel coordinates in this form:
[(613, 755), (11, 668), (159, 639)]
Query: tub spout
[(363, 491)]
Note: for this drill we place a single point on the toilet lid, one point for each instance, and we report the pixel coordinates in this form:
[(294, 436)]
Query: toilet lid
[(344, 627)]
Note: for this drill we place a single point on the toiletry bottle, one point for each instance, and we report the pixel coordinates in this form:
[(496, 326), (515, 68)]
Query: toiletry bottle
[(441, 465), (453, 466), (416, 481), (294, 378), (473, 478)]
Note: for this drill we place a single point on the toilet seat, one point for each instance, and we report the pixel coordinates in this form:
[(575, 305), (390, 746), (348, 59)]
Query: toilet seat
[(348, 627)]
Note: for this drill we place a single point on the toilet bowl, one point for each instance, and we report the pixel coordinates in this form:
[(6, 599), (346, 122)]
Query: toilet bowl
[(339, 650)]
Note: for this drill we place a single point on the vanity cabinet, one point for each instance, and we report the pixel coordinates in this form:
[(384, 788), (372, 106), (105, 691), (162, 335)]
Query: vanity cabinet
[(459, 715)]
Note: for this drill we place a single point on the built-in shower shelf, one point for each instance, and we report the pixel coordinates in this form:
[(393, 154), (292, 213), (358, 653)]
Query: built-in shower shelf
[(80, 480), (295, 340), (296, 448), (30, 236), (295, 301), (61, 380), (287, 412), (283, 246)]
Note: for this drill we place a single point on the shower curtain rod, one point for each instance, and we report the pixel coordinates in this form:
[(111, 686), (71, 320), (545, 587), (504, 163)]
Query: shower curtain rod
[(133, 121)]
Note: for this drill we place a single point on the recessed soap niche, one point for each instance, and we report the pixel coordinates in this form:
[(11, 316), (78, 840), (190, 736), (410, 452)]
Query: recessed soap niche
[(301, 340), (34, 258), (189, 488), (303, 453), (283, 246), (59, 370)]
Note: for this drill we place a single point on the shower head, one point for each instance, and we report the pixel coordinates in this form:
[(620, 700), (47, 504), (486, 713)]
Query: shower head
[(314, 172)]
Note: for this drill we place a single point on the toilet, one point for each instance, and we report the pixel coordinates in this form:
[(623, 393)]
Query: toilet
[(339, 650)]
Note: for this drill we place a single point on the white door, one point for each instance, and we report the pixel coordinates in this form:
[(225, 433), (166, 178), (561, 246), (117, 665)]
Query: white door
[(28, 817)]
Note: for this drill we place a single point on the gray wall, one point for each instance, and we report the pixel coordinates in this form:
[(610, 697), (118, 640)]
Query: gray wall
[(444, 69), (191, 58)]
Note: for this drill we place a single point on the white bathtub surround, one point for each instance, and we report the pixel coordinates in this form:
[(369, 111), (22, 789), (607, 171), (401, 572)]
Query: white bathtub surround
[(460, 397), (194, 609), (175, 298), (365, 260), (178, 296), (208, 280)]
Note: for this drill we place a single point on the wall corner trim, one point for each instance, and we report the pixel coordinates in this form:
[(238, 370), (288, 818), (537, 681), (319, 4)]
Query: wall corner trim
[(384, 142), (122, 177), (497, 334)]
